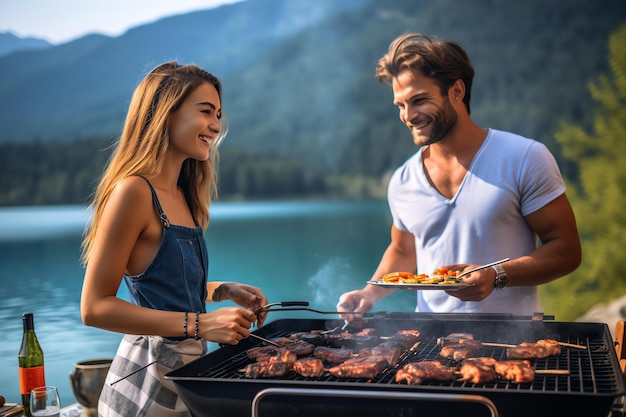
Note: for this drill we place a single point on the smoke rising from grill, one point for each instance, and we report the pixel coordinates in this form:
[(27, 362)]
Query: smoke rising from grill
[(332, 280)]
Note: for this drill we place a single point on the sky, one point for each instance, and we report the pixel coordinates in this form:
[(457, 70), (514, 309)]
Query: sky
[(60, 21)]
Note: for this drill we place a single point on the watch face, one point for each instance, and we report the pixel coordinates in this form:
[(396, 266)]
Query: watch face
[(501, 281), (501, 278)]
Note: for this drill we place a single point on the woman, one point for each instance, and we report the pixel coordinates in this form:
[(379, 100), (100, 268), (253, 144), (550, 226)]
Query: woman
[(150, 212)]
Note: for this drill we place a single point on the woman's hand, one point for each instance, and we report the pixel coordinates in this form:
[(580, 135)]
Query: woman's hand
[(228, 325), (246, 296)]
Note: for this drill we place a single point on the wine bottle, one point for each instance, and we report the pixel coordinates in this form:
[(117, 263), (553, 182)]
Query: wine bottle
[(30, 359)]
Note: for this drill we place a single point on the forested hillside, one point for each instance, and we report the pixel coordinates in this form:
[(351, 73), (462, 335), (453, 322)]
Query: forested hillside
[(597, 194), (307, 118)]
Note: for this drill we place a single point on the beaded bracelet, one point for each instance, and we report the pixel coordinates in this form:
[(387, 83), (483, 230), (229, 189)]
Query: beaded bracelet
[(197, 326), (185, 324)]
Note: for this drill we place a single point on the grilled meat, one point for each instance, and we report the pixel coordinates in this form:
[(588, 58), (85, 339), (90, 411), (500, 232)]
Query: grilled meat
[(271, 354), (332, 355), (477, 371), (415, 373), (360, 342), (391, 349), (410, 332), (336, 339), (260, 350), (516, 371), (266, 369), (368, 331), (459, 352), (404, 339), (552, 347), (312, 337), (281, 340), (448, 341), (363, 338), (300, 348), (527, 350), (309, 367), (388, 352), (359, 367), (482, 360), (454, 339)]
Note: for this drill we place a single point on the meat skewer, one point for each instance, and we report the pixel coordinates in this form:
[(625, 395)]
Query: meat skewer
[(459, 351), (415, 373), (516, 371), (478, 371), (468, 338), (542, 349)]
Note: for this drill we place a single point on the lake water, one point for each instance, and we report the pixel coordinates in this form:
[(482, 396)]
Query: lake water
[(309, 251)]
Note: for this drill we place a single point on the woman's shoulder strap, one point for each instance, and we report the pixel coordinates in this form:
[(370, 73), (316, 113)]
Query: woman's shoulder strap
[(157, 203)]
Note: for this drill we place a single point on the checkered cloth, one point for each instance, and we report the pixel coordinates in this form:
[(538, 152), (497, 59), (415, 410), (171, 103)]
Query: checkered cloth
[(130, 390)]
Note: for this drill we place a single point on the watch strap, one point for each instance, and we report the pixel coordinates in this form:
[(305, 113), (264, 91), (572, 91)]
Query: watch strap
[(502, 280)]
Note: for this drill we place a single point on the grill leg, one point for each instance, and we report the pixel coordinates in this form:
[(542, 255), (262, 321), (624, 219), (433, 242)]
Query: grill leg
[(384, 395)]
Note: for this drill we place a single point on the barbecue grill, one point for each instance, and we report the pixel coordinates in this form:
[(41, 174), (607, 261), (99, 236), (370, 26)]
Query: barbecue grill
[(214, 385)]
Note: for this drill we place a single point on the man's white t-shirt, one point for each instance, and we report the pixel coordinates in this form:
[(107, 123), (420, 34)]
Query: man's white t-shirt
[(509, 178)]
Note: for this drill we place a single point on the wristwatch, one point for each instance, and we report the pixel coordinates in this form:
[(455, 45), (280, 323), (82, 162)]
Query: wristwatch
[(502, 280)]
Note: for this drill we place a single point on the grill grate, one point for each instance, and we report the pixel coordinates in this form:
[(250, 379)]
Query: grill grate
[(590, 370)]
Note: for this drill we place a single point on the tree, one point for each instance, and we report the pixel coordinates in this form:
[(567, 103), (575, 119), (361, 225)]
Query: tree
[(599, 199)]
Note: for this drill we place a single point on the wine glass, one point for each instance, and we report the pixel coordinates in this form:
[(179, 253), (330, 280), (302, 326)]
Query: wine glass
[(44, 401)]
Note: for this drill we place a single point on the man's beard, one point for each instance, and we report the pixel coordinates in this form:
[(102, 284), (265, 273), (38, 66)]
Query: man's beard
[(443, 122)]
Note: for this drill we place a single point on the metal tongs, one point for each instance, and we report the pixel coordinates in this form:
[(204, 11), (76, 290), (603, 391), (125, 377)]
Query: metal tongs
[(268, 307), (304, 306)]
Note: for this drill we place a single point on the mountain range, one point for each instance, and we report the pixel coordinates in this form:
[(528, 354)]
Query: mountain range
[(10, 43), (298, 75)]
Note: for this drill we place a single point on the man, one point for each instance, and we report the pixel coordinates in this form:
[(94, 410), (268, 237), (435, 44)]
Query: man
[(469, 196)]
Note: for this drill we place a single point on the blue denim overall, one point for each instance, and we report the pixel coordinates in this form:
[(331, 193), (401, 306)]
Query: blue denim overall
[(175, 280)]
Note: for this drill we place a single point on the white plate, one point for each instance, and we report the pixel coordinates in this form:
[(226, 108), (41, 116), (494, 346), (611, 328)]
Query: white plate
[(442, 287)]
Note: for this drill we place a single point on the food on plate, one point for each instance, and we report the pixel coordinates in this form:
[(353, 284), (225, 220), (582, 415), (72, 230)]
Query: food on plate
[(441, 276)]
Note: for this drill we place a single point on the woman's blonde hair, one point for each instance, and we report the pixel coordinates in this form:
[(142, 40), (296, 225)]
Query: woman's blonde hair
[(144, 143)]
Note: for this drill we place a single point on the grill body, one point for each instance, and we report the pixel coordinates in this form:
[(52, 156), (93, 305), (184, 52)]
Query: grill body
[(214, 386)]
